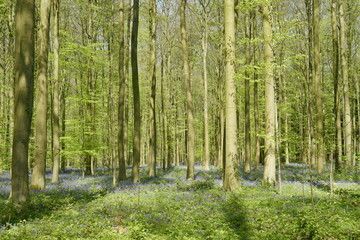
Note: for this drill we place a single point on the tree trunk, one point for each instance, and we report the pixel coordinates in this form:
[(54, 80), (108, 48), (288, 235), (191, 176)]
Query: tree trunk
[(337, 109), (56, 94), (230, 182), (121, 114), (319, 134), (344, 70), (256, 97), (152, 114), (247, 140), (136, 94), (269, 169), (206, 117), (24, 88), (38, 176), (189, 100)]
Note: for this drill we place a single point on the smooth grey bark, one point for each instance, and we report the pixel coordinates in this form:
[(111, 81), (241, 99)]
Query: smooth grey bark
[(269, 168), (152, 102), (136, 94), (256, 96), (122, 89), (38, 174), (247, 140), (230, 182), (336, 79), (189, 98), (204, 43), (319, 118), (24, 89), (344, 70), (56, 94)]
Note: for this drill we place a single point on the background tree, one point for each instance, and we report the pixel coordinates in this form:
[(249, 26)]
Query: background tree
[(152, 115), (344, 70), (122, 88), (136, 94), (320, 152), (189, 98), (56, 95)]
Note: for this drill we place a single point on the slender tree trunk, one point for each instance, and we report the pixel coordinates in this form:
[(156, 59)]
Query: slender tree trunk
[(24, 88), (337, 109), (189, 100), (344, 71), (90, 89), (256, 96), (247, 140), (319, 137), (230, 182), (163, 115), (136, 94), (56, 94), (152, 115), (121, 116), (206, 117), (38, 176), (358, 112), (269, 169), (127, 156), (308, 85)]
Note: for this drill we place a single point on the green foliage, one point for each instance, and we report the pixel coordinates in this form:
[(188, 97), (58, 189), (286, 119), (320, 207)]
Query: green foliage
[(168, 207)]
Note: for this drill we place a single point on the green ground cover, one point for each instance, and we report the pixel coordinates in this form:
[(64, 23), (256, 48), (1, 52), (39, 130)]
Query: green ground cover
[(168, 207)]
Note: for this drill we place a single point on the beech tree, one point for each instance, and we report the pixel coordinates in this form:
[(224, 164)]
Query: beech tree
[(152, 102), (24, 88), (56, 94), (136, 94), (38, 176), (231, 154), (189, 98), (269, 168)]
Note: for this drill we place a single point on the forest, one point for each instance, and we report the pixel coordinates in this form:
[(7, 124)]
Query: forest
[(179, 119)]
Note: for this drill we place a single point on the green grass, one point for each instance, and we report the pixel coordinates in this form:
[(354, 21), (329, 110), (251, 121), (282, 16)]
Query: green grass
[(168, 207)]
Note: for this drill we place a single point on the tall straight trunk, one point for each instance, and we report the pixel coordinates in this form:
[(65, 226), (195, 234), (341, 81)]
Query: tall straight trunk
[(24, 88), (90, 88), (152, 115), (358, 112), (38, 175), (111, 110), (247, 140), (256, 96), (337, 109), (269, 169), (189, 100), (344, 71), (126, 92), (205, 77), (121, 116), (309, 87), (319, 134), (163, 115), (136, 94), (230, 182), (56, 94)]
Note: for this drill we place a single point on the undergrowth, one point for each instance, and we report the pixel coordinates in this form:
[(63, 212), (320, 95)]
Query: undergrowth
[(168, 207)]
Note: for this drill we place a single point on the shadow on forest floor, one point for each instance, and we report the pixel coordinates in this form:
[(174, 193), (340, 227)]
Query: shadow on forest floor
[(236, 216)]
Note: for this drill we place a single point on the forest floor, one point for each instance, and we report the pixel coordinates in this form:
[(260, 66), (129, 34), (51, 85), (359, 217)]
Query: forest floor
[(169, 207)]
